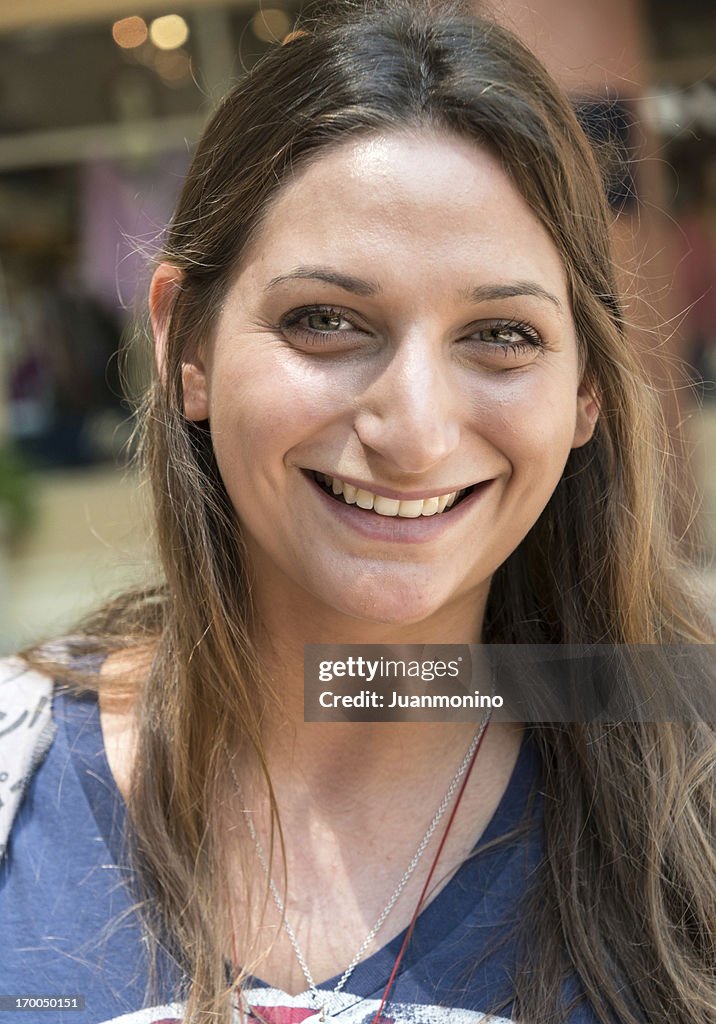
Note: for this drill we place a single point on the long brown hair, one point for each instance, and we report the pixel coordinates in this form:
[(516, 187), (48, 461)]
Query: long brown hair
[(627, 894)]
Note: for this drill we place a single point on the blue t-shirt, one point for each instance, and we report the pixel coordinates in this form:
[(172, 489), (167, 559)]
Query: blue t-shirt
[(69, 929)]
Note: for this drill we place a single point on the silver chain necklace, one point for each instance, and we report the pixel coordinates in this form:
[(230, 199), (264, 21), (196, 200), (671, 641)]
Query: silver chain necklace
[(319, 998)]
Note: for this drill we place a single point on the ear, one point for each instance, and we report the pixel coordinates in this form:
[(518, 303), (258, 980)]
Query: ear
[(163, 291), (587, 414)]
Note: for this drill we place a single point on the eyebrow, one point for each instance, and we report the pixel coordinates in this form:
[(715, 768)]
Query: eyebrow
[(361, 286), (345, 281), (485, 292)]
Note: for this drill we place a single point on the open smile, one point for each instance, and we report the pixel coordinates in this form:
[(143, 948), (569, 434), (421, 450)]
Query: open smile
[(348, 494)]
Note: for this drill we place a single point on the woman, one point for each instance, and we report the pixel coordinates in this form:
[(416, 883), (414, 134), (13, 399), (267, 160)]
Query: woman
[(394, 404)]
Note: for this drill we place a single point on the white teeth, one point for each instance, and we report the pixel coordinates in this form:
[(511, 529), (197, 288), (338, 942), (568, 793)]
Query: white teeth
[(364, 499), (349, 493), (385, 506), (411, 509), (430, 506), (389, 506)]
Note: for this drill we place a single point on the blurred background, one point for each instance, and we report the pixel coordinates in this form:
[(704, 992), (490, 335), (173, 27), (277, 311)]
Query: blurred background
[(101, 102)]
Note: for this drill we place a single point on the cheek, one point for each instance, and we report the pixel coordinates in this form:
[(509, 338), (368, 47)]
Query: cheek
[(262, 408), (530, 419)]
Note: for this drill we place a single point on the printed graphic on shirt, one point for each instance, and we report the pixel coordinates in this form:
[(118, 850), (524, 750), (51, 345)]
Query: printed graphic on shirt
[(270, 1006)]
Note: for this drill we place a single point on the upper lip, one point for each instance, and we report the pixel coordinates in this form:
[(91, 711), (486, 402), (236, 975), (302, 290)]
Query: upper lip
[(389, 492)]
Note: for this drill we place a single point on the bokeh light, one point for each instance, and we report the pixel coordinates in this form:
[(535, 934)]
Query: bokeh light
[(174, 66), (169, 32), (129, 32), (145, 54)]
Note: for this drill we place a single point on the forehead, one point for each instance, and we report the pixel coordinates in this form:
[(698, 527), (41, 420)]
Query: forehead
[(421, 199)]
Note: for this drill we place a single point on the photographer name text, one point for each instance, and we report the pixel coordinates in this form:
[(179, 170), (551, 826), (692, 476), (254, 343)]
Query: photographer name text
[(375, 699)]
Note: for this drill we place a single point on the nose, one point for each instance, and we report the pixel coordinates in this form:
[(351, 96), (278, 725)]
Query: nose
[(409, 413)]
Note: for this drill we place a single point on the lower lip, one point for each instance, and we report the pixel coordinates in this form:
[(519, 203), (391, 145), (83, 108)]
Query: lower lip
[(398, 529)]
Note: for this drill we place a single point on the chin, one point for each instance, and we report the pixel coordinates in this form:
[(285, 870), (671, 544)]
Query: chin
[(387, 605)]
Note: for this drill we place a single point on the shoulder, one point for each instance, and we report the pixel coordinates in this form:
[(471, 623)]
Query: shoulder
[(28, 726)]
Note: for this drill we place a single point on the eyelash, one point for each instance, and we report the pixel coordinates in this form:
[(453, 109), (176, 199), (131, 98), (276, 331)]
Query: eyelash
[(290, 321), (289, 324), (533, 339)]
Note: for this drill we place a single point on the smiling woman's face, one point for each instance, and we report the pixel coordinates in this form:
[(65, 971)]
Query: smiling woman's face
[(400, 330)]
